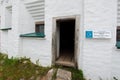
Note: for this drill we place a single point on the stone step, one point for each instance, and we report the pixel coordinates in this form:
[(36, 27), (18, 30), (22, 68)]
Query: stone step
[(61, 75)]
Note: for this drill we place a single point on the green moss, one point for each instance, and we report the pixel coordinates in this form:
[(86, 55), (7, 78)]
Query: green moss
[(23, 68), (18, 68), (76, 74), (54, 74)]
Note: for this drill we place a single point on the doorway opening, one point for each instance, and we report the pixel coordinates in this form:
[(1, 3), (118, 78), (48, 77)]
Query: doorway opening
[(66, 42)]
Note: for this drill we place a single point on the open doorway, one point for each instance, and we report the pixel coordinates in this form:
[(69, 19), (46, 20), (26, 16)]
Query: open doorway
[(65, 40), (67, 37)]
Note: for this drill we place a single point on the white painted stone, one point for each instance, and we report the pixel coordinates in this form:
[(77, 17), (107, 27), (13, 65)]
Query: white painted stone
[(63, 75), (97, 58)]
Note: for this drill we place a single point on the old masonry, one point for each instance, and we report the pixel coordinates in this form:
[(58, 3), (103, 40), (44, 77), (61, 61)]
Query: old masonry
[(78, 33)]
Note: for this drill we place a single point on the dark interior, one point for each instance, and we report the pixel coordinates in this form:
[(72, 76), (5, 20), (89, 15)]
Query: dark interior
[(67, 36)]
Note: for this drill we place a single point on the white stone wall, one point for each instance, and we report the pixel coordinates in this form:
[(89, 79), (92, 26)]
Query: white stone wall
[(5, 34), (115, 67), (22, 23), (34, 48), (0, 27), (13, 34), (98, 58), (60, 8), (10, 40), (37, 49)]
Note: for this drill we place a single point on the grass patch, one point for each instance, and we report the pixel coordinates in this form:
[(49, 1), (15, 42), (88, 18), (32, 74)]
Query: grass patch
[(22, 68), (54, 74)]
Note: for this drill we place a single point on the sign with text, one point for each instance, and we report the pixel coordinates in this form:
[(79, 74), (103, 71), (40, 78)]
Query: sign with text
[(101, 34), (98, 34)]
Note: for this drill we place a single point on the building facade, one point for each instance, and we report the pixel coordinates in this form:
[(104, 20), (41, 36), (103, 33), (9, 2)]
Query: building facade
[(77, 33)]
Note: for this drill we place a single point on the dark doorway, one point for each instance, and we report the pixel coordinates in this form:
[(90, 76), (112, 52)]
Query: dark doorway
[(66, 41), (67, 32)]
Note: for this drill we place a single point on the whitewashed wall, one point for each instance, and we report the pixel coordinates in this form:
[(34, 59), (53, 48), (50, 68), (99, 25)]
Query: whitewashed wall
[(22, 23), (100, 56), (41, 48), (60, 8), (35, 48), (4, 34), (115, 52), (0, 27)]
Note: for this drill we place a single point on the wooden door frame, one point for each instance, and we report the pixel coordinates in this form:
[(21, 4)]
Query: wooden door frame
[(54, 36)]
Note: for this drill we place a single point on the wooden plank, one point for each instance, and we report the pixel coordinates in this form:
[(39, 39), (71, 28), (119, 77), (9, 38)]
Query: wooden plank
[(66, 60), (72, 59), (61, 58), (65, 63)]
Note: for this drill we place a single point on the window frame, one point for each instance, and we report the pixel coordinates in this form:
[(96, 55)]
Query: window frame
[(37, 33), (37, 27), (118, 37), (118, 33)]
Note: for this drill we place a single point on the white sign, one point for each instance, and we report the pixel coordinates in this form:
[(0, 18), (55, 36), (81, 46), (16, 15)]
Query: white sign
[(101, 34)]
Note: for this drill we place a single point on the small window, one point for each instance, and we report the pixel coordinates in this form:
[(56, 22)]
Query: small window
[(118, 37), (39, 31), (39, 28), (118, 33)]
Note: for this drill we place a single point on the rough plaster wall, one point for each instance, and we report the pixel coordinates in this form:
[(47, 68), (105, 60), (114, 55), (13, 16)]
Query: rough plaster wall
[(10, 38), (4, 42), (4, 34), (98, 53), (37, 49), (41, 49), (0, 27), (34, 48), (8, 18), (115, 64), (13, 34), (26, 22), (102, 63), (57, 8)]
